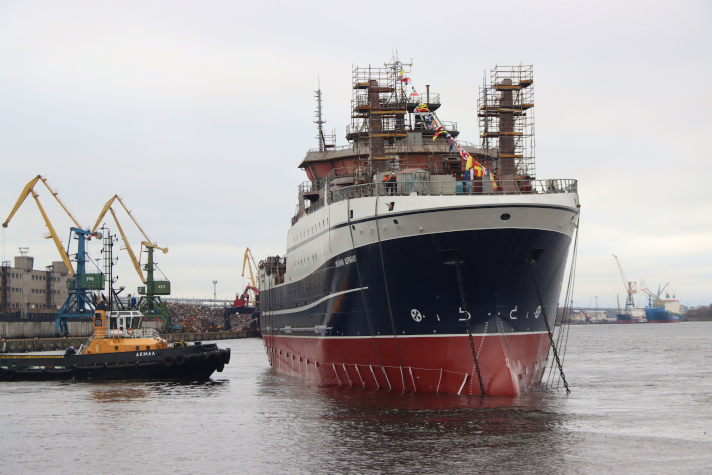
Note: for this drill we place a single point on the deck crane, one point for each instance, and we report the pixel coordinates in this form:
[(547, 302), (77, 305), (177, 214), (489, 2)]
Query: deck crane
[(150, 302), (80, 302), (654, 300), (630, 288)]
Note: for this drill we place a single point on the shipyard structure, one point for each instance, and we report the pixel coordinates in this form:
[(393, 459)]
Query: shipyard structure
[(416, 260)]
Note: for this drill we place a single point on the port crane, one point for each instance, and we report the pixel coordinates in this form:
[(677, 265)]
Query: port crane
[(248, 262), (150, 302), (80, 302), (630, 288)]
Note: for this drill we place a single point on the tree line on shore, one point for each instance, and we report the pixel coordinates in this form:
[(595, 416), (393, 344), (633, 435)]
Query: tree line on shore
[(699, 314)]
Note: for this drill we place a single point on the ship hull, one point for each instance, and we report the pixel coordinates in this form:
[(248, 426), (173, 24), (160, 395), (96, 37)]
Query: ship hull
[(387, 299), (509, 365), (196, 362), (660, 315)]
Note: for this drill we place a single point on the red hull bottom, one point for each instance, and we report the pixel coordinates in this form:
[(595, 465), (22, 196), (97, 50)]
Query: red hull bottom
[(509, 363)]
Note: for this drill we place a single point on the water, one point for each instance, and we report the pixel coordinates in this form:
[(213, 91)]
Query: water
[(641, 402)]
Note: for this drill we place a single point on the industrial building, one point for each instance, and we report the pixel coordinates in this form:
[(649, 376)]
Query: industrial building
[(29, 292)]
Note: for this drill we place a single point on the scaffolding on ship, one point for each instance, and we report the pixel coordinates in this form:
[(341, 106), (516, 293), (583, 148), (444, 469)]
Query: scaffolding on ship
[(506, 120)]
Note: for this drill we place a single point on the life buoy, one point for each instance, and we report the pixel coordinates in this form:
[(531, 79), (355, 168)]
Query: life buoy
[(168, 361), (130, 331)]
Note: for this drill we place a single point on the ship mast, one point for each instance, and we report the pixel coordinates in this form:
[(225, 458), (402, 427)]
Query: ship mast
[(319, 121)]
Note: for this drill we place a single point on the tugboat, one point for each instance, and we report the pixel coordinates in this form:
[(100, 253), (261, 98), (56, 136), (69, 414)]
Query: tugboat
[(119, 349)]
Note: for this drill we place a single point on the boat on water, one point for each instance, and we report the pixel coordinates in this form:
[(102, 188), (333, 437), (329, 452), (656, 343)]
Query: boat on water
[(119, 349), (659, 309), (625, 318), (418, 261), (661, 315)]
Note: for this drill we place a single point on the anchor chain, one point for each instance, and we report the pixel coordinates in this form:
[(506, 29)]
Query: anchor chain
[(469, 330), (548, 328)]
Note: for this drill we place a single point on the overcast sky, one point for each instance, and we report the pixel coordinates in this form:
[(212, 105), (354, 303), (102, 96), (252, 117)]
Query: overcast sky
[(198, 113)]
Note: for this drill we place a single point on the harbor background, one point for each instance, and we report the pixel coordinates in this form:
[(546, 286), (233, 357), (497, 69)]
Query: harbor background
[(641, 402), (200, 125)]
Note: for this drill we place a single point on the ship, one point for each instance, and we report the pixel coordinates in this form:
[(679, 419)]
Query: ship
[(661, 315), (119, 349), (417, 261), (661, 310), (625, 318)]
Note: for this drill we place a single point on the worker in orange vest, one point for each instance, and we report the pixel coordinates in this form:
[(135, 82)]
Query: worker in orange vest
[(386, 182)]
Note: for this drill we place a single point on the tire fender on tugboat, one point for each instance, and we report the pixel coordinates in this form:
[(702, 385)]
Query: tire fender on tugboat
[(168, 361)]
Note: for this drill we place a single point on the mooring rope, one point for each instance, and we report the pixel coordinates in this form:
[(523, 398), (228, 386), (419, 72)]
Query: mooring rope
[(388, 298), (548, 328), (568, 303), (469, 329), (363, 294)]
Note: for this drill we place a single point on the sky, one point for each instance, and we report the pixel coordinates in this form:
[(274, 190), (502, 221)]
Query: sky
[(198, 113)]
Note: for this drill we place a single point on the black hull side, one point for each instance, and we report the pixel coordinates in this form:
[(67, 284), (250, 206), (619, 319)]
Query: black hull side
[(197, 362), (409, 286)]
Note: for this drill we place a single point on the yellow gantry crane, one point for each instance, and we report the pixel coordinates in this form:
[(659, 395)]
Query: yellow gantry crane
[(80, 301), (246, 262), (150, 303), (136, 262), (29, 189)]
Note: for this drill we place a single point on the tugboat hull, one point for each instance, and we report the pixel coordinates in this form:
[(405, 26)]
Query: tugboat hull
[(196, 362)]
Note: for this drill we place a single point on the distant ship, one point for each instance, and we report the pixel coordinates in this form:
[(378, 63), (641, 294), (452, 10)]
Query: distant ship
[(409, 262), (625, 318), (662, 310), (660, 315)]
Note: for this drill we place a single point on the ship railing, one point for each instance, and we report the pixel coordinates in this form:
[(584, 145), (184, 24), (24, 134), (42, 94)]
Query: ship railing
[(429, 98), (126, 333), (143, 333), (306, 187), (319, 183), (330, 148), (315, 206), (384, 103), (458, 188), (448, 126)]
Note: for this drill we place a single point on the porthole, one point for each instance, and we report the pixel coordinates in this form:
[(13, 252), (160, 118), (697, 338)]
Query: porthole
[(505, 217), (395, 221)]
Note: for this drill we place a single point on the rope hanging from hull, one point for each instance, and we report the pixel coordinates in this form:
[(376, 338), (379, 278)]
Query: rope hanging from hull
[(469, 329), (548, 328)]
